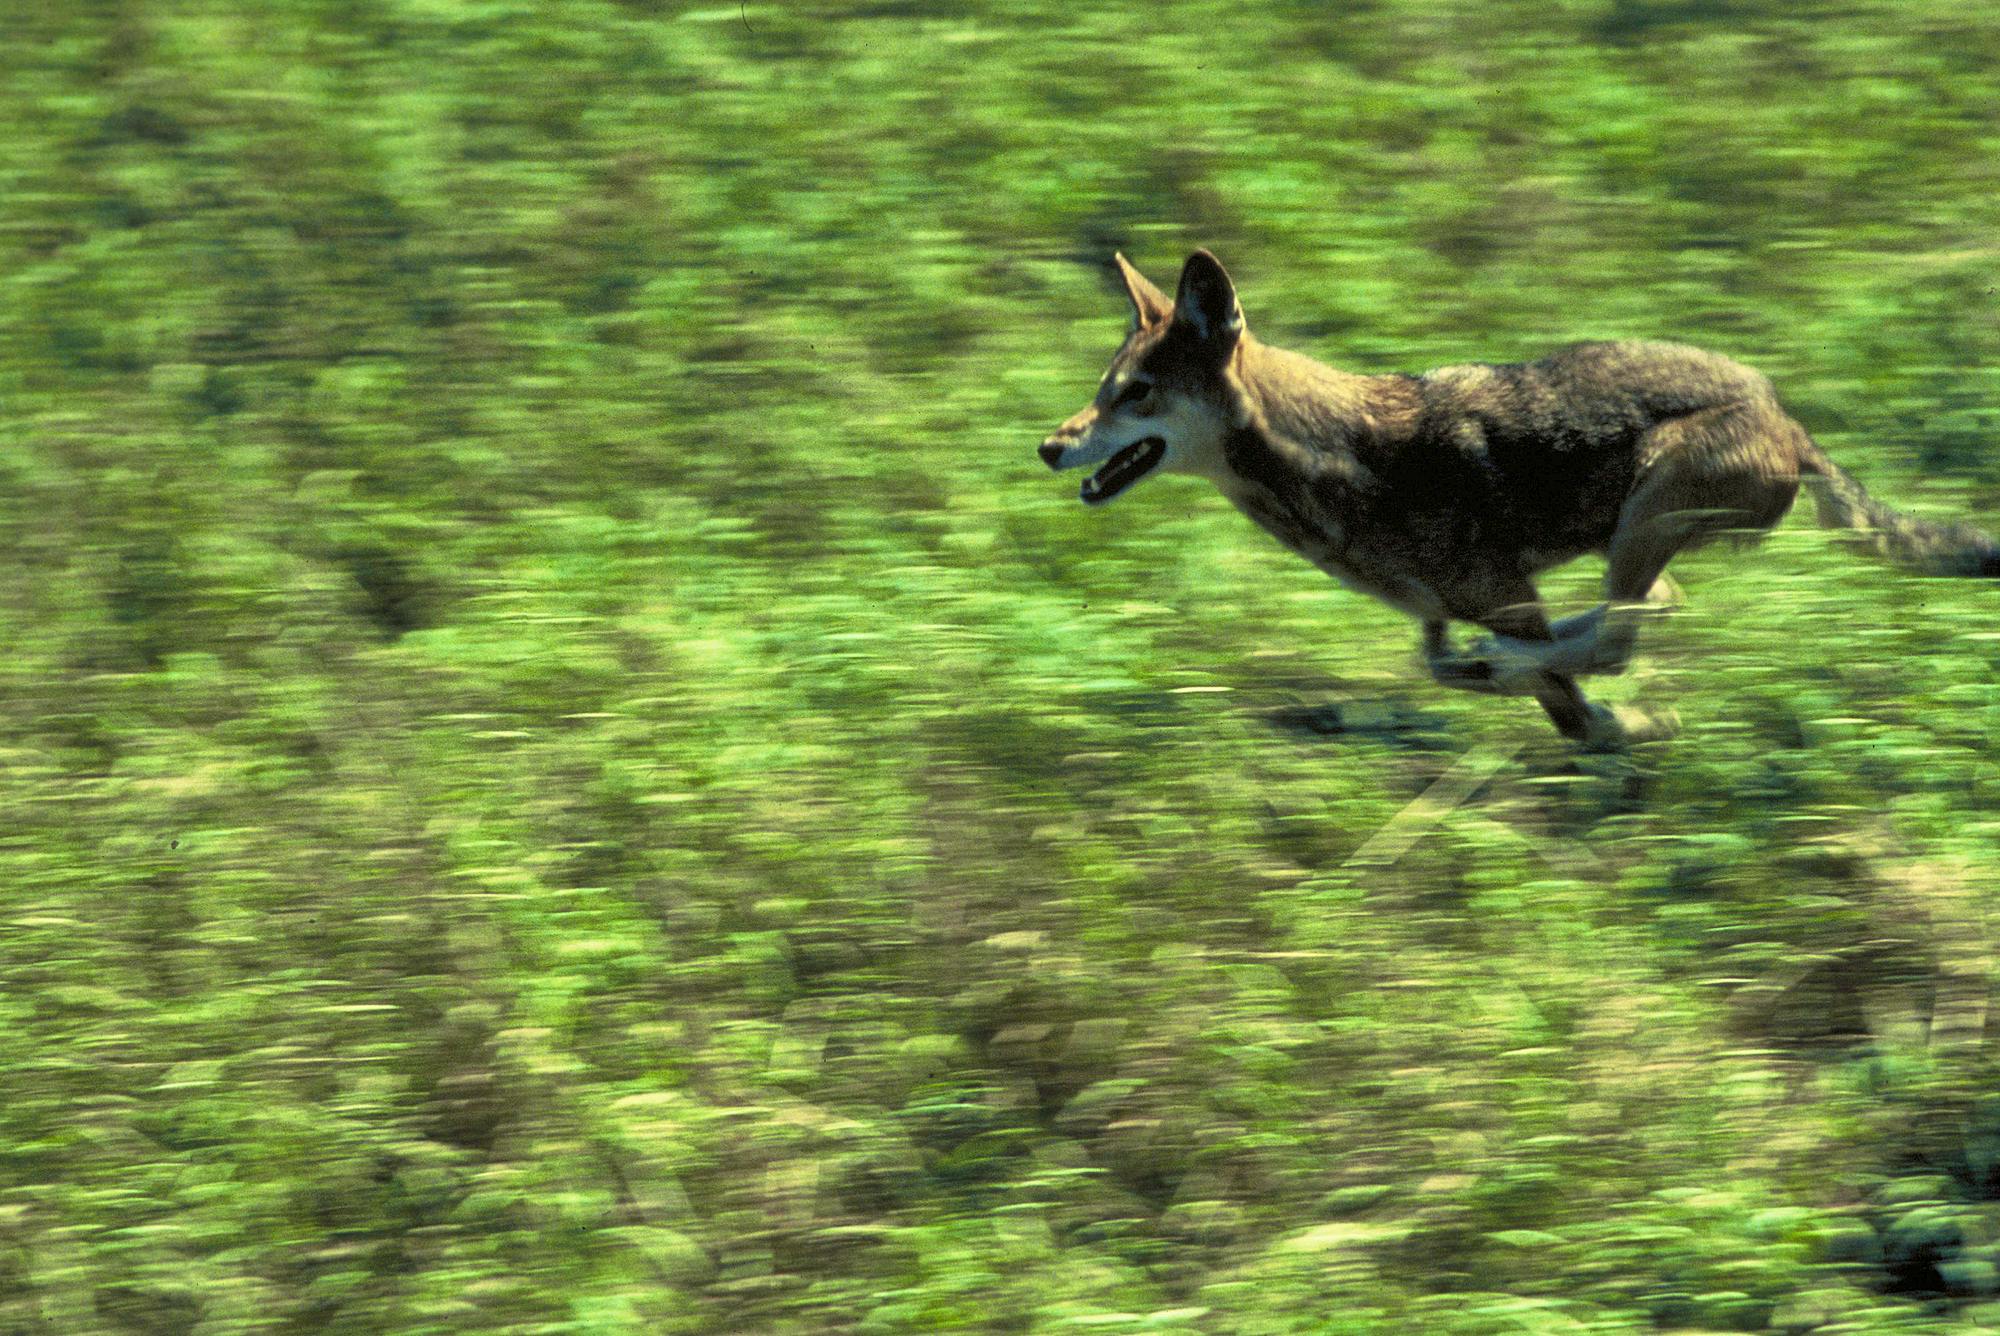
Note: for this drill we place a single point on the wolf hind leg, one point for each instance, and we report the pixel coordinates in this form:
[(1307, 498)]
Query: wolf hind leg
[(1598, 641), (1603, 640), (1652, 531), (1636, 588), (1664, 596), (1505, 664), (1731, 468)]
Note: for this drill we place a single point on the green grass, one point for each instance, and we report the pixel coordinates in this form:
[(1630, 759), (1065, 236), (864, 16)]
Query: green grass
[(567, 769)]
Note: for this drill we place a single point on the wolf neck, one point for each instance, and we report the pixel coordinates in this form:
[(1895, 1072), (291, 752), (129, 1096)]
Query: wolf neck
[(1309, 402), (1299, 424), (1299, 462)]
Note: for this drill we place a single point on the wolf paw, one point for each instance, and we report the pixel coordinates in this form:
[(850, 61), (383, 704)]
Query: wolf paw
[(1615, 727)]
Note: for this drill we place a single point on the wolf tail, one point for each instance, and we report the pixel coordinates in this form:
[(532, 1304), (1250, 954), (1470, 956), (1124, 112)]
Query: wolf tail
[(1940, 549)]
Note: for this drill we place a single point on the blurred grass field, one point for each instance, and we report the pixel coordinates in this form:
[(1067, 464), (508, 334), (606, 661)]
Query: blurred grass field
[(567, 769)]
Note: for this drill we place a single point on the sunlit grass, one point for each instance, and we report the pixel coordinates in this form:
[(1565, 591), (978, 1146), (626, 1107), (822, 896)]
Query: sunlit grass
[(569, 769)]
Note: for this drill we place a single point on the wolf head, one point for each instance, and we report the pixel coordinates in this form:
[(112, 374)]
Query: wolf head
[(1167, 401)]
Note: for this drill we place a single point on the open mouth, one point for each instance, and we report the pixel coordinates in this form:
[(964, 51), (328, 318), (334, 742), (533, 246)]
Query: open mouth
[(1123, 469)]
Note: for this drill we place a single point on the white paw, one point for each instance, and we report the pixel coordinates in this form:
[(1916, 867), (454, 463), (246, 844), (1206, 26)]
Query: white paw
[(1616, 727)]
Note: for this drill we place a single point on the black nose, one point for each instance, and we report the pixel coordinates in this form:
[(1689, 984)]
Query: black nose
[(1051, 453)]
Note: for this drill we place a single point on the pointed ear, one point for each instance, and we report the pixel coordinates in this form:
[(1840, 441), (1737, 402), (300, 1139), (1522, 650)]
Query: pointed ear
[(1149, 305), (1206, 301)]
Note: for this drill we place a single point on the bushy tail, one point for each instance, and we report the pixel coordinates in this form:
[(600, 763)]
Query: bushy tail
[(1941, 549)]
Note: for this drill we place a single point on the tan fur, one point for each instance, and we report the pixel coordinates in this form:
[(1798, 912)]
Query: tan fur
[(1445, 494)]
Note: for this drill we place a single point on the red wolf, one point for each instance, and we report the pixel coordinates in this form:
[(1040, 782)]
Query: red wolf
[(1445, 494)]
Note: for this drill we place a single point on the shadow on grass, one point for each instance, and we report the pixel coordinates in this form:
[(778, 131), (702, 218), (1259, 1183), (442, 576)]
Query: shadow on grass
[(1377, 719)]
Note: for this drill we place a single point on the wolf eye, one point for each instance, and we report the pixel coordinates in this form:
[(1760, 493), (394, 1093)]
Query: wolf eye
[(1133, 392)]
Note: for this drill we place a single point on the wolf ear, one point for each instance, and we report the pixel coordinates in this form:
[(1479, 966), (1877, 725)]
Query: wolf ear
[(1149, 305), (1206, 301)]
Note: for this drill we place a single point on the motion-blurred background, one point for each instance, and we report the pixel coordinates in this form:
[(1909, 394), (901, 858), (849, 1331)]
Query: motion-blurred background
[(565, 768)]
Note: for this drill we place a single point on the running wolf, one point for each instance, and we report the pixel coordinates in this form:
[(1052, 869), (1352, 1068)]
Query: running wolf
[(1445, 494)]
